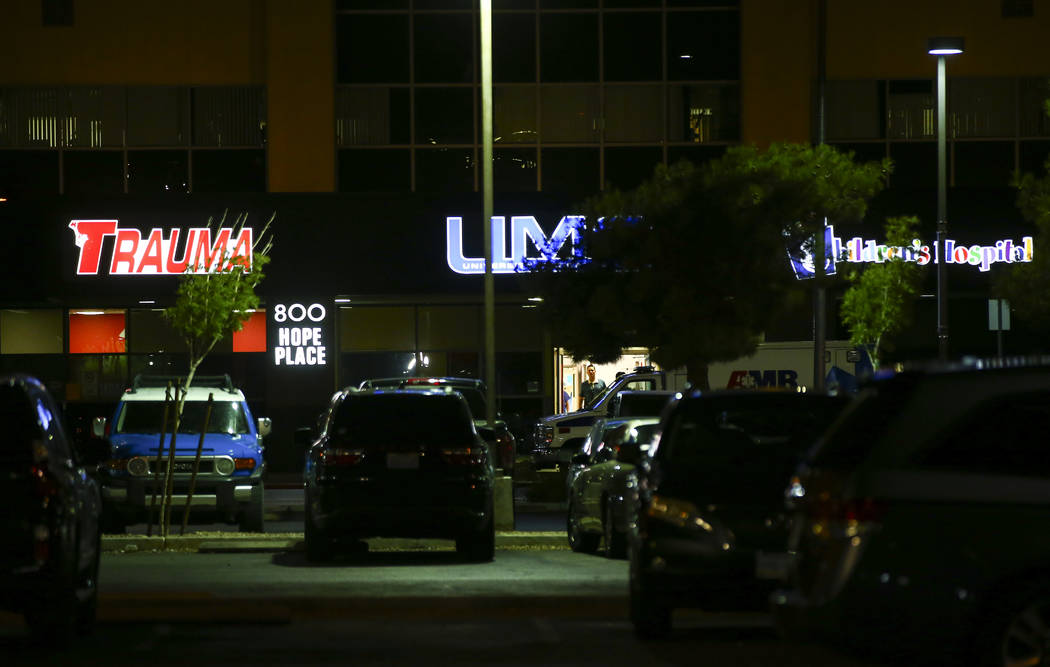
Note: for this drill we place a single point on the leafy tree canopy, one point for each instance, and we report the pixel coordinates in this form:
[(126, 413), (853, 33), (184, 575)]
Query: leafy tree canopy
[(693, 263), (879, 301)]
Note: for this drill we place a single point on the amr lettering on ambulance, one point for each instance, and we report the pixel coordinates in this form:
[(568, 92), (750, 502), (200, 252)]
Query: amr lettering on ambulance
[(159, 253), (860, 250)]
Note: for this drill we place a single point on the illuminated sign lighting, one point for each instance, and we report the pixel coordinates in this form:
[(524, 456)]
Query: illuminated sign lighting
[(300, 345), (160, 254), (523, 229), (863, 251)]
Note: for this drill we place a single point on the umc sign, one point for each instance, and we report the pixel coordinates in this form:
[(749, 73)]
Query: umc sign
[(523, 229)]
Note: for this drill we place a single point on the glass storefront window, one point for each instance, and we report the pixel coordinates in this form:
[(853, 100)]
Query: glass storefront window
[(97, 377), (514, 169), (626, 168), (514, 53), (93, 172), (703, 113), (28, 173), (633, 113), (152, 172), (569, 47), (703, 46), (252, 335), (444, 47), (631, 46), (97, 331), (150, 332), (31, 331), (445, 170), (372, 48), (444, 115), (570, 170), (374, 170), (229, 170), (371, 116), (570, 114)]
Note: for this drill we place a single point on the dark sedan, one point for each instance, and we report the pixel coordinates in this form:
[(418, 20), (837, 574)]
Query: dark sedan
[(49, 536), (710, 529), (399, 463)]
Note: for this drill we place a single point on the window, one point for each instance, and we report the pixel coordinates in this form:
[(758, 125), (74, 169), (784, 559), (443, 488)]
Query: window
[(982, 108), (444, 115), (97, 332), (514, 169), (30, 332), (444, 48), (1032, 102), (371, 116), (374, 170), (158, 116), (445, 170), (910, 112), (573, 171), (151, 333), (626, 168), (983, 163), (56, 12), (703, 113), (25, 173), (228, 116), (158, 171), (372, 48), (569, 47), (229, 171), (92, 172), (634, 113), (914, 165), (514, 115), (703, 46), (1006, 436), (514, 51), (852, 109), (632, 45), (569, 114)]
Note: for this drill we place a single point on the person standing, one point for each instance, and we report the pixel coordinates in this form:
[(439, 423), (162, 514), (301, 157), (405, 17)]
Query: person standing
[(590, 388)]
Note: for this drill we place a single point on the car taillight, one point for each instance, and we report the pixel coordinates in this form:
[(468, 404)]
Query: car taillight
[(463, 456), (340, 456), (43, 483), (244, 464), (849, 514)]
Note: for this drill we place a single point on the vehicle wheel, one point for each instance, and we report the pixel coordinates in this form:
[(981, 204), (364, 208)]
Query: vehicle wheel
[(1017, 629), (479, 546), (251, 518), (87, 595), (579, 541), (615, 541), (318, 546)]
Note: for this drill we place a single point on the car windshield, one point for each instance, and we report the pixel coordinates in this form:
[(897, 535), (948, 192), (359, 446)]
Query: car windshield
[(402, 418), (726, 449), (638, 405), (148, 417)]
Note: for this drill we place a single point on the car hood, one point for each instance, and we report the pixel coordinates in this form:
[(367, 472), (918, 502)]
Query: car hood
[(127, 445)]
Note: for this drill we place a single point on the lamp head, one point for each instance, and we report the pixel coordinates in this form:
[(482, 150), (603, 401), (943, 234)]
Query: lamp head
[(944, 46)]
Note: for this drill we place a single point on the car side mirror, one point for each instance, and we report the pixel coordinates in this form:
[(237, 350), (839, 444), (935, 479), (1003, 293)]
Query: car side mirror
[(581, 459), (98, 427), (630, 452), (264, 426)]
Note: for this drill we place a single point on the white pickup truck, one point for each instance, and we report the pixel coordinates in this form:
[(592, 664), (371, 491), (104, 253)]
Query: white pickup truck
[(557, 438)]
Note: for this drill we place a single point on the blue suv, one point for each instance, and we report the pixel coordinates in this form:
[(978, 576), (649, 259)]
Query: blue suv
[(229, 478)]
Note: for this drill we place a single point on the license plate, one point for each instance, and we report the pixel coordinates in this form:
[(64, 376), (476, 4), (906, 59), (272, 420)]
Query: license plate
[(402, 461), (772, 565)]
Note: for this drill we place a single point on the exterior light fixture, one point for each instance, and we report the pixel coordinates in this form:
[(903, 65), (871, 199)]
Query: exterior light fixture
[(941, 47)]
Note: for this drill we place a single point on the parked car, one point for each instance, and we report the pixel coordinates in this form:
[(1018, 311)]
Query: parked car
[(50, 533), (601, 491), (709, 529), (498, 435), (229, 480), (640, 403), (399, 463), (557, 438), (919, 519)]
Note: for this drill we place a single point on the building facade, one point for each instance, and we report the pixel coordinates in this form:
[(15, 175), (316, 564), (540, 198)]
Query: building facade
[(355, 123)]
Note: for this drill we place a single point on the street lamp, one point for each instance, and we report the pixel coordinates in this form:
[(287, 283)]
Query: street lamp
[(941, 47)]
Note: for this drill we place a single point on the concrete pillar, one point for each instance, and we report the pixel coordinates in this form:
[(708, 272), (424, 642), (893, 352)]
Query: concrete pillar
[(503, 503)]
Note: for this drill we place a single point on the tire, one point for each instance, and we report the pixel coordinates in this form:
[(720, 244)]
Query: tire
[(87, 596), (1017, 628), (615, 541), (318, 546), (479, 546), (579, 541), (251, 517)]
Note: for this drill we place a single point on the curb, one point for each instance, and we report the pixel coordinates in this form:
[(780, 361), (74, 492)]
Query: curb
[(259, 542)]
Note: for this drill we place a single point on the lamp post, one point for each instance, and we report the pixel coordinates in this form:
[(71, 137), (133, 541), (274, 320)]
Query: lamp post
[(941, 47)]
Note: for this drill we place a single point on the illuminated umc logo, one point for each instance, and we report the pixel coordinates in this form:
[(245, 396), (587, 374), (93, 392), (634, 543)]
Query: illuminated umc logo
[(158, 254), (523, 230)]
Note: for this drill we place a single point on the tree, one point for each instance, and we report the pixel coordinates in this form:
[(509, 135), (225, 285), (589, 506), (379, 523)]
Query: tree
[(693, 263), (1027, 285), (210, 306), (879, 299)]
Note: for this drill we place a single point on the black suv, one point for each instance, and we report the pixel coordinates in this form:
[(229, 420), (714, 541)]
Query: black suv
[(920, 519), (710, 529), (49, 534), (399, 463)]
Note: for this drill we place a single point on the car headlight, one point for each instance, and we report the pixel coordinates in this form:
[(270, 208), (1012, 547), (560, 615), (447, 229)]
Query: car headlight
[(138, 466), (224, 466)]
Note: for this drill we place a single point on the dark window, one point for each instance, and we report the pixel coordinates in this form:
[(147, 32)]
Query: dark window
[(158, 171), (371, 4), (372, 49), (570, 170), (703, 113), (444, 116), (911, 109), (158, 116), (445, 170), (1033, 157), (1018, 9), (514, 169), (983, 163), (228, 116), (358, 366), (569, 47), (854, 109), (57, 12), (1006, 436), (703, 45), (444, 48), (229, 171), (914, 165), (626, 168), (374, 171), (568, 4), (863, 152), (513, 48), (570, 114), (28, 173), (371, 116), (378, 420), (634, 113), (1035, 122), (90, 172), (632, 46), (695, 154)]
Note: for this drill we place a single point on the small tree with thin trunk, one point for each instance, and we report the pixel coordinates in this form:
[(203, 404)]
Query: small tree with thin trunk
[(879, 301)]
